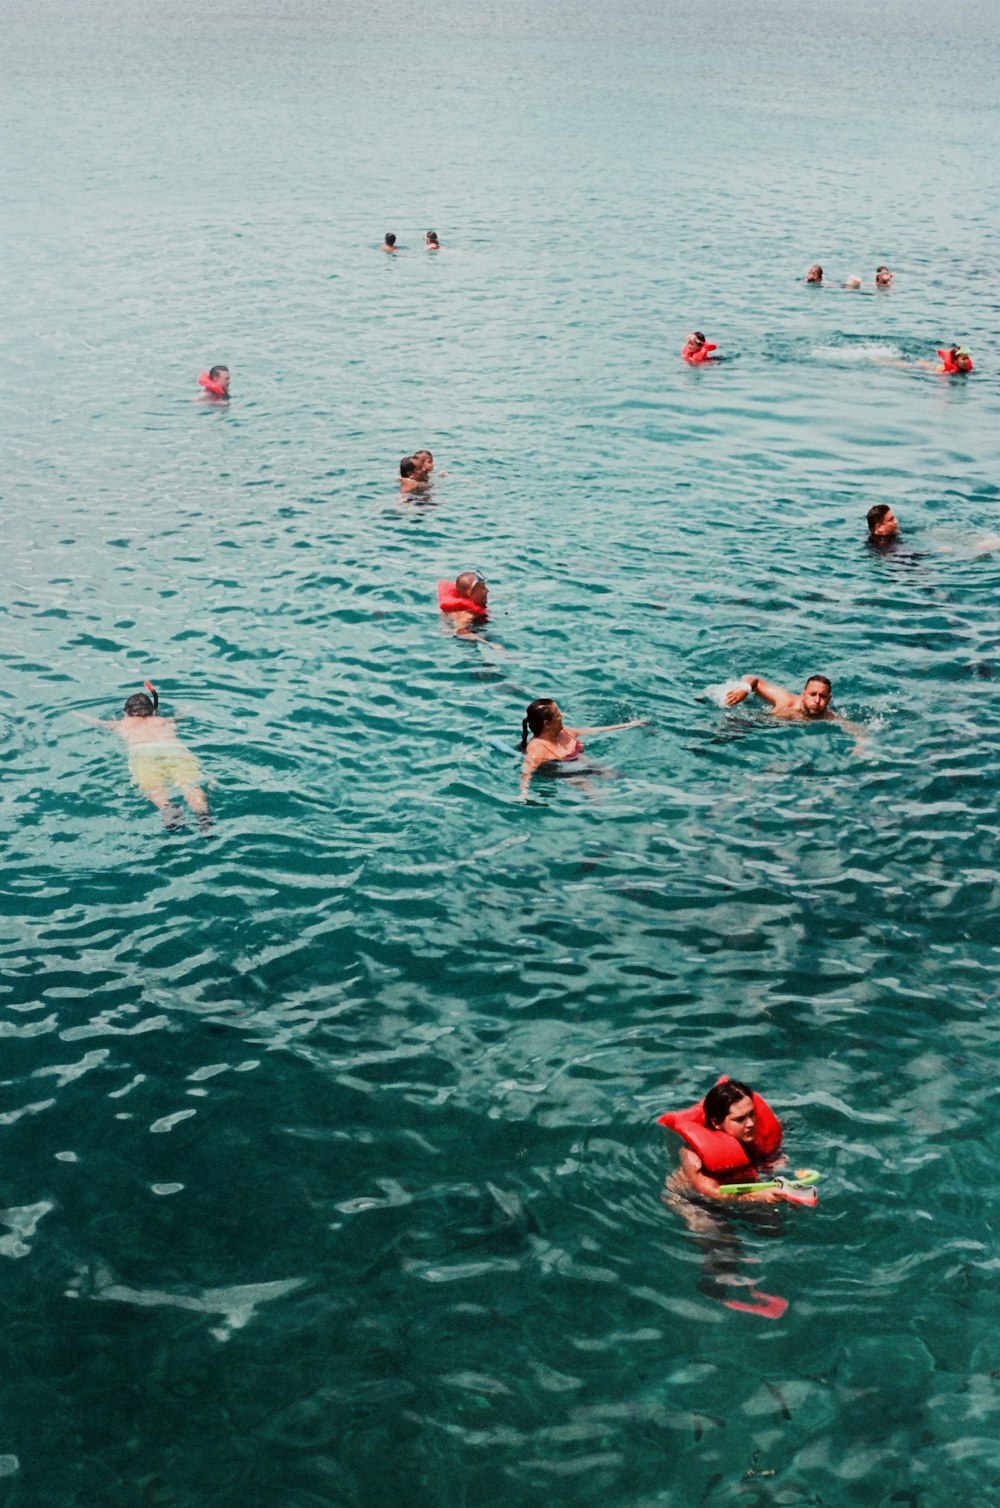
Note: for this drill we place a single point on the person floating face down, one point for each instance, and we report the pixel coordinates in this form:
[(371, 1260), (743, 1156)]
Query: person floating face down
[(158, 761), (883, 529)]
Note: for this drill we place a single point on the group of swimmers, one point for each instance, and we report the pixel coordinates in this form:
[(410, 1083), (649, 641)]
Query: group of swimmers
[(883, 277), (431, 242)]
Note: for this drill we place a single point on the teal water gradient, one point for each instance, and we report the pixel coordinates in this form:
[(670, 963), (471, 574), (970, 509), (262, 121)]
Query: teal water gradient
[(331, 1170)]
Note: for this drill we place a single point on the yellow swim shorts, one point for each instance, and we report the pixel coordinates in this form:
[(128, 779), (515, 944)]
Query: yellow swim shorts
[(156, 766)]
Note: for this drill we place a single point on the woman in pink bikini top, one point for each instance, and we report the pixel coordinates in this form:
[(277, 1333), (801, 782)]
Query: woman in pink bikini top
[(551, 741)]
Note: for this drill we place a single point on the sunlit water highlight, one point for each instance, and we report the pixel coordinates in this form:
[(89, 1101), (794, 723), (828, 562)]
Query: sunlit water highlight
[(331, 1166)]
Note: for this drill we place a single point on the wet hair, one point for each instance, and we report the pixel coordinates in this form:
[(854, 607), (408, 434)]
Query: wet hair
[(390, 239), (407, 467), (215, 373), (418, 453), (875, 516), (535, 718), (823, 680), (698, 337), (814, 268), (140, 705), (719, 1101), (432, 235)]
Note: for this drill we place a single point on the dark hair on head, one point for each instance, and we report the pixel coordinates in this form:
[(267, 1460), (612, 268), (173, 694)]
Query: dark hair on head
[(407, 466), (699, 337), (216, 372), (823, 680), (720, 1100), (140, 705), (432, 235), (390, 239), (535, 718), (875, 516)]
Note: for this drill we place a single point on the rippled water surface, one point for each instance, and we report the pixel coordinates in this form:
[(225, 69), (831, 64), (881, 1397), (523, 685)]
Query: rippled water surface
[(331, 1170)]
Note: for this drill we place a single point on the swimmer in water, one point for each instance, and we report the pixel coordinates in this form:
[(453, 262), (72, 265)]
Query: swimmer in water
[(431, 241), (159, 762), (811, 705), (424, 462), (815, 274), (730, 1108), (697, 349), (389, 244), (464, 602), (411, 479), (215, 382), (853, 281), (954, 360), (552, 742), (883, 528), (883, 277)]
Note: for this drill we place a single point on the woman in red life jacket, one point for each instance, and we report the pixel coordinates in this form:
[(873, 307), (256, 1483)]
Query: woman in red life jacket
[(552, 742), (697, 349), (215, 382), (727, 1137)]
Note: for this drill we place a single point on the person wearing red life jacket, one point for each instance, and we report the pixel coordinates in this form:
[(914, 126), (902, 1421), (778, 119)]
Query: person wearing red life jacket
[(697, 349), (728, 1137), (215, 382), (464, 601), (955, 360)]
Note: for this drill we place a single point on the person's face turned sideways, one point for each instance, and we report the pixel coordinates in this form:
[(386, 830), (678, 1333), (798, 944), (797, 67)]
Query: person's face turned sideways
[(887, 528), (741, 1121), (553, 723), (815, 699)]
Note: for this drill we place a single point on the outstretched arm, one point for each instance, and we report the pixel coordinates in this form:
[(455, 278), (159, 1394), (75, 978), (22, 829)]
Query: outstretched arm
[(96, 722), (637, 722), (776, 695)]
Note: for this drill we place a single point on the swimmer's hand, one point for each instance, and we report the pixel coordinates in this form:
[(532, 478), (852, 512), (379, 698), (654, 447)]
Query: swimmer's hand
[(784, 1193), (732, 697)]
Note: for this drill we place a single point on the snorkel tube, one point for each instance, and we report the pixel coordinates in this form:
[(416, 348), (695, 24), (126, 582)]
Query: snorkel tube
[(154, 694)]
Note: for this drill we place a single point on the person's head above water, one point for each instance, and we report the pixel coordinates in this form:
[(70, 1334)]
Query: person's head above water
[(407, 467), (962, 358), (815, 274), (883, 277), (543, 716), (141, 705), (431, 238), (816, 696), (729, 1107), (882, 522), (390, 239), (424, 462), (472, 584), (695, 340)]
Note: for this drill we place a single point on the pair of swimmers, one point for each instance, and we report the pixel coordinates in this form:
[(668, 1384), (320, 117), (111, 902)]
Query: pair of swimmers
[(415, 471), (431, 242), (883, 277)]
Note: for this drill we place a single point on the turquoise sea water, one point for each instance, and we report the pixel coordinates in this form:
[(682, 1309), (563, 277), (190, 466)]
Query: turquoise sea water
[(330, 1166)]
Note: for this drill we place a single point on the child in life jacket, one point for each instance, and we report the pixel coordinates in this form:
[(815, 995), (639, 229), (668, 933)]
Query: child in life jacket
[(697, 349), (728, 1138)]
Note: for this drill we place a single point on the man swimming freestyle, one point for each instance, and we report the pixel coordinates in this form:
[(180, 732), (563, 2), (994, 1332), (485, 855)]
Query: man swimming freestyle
[(811, 705)]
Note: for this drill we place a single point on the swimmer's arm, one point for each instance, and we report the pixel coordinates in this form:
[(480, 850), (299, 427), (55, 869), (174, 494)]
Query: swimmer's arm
[(637, 722), (97, 722), (708, 1187), (858, 734), (531, 762), (776, 695)]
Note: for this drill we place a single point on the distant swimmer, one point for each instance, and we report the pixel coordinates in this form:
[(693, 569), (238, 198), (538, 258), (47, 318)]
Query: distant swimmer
[(955, 360), (697, 349), (159, 762), (883, 528), (215, 382), (815, 274), (431, 241), (883, 277), (424, 462), (811, 705), (411, 479), (389, 244), (464, 600), (552, 742)]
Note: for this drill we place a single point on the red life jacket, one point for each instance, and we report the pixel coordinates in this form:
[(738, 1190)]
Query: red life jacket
[(452, 601), (950, 364), (720, 1153), (695, 358), (215, 388)]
